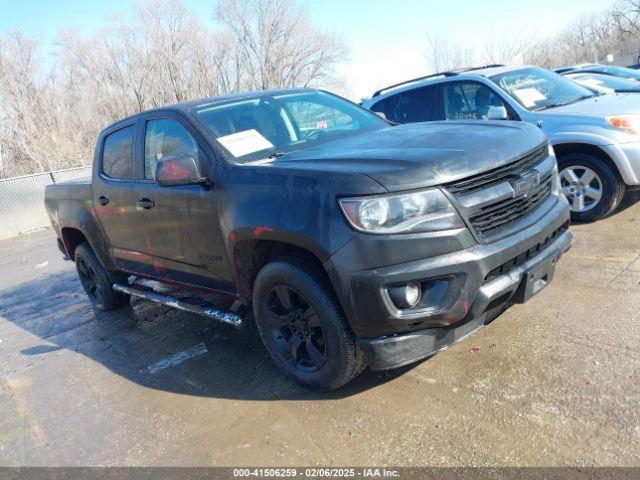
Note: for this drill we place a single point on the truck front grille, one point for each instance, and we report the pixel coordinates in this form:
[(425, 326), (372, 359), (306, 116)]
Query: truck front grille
[(497, 175), (496, 216)]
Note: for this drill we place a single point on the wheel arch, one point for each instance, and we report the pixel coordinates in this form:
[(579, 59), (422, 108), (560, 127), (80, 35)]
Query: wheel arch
[(568, 148), (251, 254), (71, 238)]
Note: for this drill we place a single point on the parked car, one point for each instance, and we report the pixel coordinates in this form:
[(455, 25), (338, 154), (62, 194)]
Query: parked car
[(596, 137), (604, 83), (351, 241), (622, 72)]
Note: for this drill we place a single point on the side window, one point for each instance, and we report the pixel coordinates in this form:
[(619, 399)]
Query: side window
[(469, 101), (166, 138), (116, 153), (420, 105)]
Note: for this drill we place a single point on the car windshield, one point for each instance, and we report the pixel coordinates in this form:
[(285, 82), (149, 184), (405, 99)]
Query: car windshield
[(537, 89), (622, 72), (603, 83), (273, 125)]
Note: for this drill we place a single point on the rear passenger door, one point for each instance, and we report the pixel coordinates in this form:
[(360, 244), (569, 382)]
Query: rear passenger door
[(112, 190), (179, 224)]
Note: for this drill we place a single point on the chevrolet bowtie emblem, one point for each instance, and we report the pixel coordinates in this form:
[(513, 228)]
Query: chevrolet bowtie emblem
[(526, 185)]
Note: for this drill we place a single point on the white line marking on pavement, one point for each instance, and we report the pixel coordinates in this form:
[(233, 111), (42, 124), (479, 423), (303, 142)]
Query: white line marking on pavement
[(176, 359)]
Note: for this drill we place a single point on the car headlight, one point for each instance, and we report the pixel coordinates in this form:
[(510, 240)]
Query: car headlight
[(424, 211), (629, 123), (550, 150)]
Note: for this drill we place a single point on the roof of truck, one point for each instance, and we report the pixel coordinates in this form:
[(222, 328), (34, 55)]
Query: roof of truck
[(187, 106), (203, 102)]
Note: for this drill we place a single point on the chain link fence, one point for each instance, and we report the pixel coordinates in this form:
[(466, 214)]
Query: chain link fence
[(22, 200)]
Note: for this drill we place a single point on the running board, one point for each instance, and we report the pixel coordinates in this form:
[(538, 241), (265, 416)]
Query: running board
[(193, 305)]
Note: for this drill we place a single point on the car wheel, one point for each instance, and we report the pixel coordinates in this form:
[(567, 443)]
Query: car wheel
[(590, 185), (96, 282), (303, 327)]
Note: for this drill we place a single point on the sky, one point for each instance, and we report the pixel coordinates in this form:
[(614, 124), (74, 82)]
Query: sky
[(386, 38)]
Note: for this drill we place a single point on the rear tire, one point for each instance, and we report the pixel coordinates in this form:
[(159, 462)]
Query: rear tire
[(590, 185), (96, 281), (303, 327)]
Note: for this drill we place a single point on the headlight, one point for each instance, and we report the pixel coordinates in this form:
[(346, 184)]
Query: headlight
[(550, 150), (424, 211), (628, 123)]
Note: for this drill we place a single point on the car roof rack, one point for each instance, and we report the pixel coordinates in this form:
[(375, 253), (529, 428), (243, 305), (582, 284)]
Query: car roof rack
[(448, 73), (418, 79), (469, 69)]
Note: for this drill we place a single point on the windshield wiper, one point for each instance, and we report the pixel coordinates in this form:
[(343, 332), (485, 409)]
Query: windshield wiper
[(550, 105), (562, 104), (276, 154)]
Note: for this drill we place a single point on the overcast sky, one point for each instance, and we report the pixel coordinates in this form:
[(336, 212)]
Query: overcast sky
[(386, 38)]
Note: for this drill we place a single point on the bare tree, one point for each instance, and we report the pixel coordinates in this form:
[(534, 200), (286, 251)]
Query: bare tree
[(625, 17), (507, 48), (443, 55), (51, 109), (276, 44)]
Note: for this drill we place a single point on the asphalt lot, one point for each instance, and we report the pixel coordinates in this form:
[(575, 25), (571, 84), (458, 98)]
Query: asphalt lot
[(552, 382)]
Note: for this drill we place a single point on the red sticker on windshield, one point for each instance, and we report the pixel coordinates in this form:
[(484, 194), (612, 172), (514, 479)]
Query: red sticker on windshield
[(322, 124)]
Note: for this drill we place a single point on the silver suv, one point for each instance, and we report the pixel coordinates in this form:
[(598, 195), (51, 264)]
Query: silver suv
[(596, 136)]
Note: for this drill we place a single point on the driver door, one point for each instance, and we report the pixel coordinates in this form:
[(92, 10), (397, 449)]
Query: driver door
[(179, 224)]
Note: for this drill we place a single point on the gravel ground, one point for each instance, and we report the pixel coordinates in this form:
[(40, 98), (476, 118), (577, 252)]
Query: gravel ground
[(553, 382)]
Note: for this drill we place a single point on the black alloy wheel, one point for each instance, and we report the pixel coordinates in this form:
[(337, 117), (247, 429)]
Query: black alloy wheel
[(302, 325), (295, 329), (89, 281), (96, 281)]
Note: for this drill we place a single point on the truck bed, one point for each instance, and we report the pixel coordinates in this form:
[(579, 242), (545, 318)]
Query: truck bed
[(64, 201)]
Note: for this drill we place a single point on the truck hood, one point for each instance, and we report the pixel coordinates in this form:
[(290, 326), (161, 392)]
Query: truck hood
[(608, 104), (417, 155)]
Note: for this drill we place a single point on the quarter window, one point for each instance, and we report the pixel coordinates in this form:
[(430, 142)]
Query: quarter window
[(166, 138), (116, 154), (419, 105)]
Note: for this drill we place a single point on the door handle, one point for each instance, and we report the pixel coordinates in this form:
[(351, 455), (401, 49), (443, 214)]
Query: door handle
[(145, 203), (102, 200)]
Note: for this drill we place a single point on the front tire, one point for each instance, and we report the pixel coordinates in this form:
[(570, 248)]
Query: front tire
[(96, 282), (590, 185), (302, 325)]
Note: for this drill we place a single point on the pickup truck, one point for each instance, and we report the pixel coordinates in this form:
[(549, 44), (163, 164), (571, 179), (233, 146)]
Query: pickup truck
[(349, 241)]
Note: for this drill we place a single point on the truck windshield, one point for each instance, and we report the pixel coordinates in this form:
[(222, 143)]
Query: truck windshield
[(273, 125), (539, 89)]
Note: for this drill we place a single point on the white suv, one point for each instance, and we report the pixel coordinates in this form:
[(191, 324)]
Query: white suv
[(596, 137)]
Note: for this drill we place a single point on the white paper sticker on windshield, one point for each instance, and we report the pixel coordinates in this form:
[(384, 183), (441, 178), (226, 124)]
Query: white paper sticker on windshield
[(243, 143), (529, 96)]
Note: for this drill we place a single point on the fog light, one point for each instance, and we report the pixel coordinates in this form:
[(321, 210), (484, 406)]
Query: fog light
[(406, 296)]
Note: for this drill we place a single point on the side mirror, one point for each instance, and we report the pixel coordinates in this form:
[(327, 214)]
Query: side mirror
[(179, 170), (497, 113)]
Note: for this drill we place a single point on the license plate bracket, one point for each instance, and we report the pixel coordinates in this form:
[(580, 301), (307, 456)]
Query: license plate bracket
[(536, 278)]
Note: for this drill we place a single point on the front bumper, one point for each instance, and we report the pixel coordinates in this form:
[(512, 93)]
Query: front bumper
[(517, 286), (480, 277)]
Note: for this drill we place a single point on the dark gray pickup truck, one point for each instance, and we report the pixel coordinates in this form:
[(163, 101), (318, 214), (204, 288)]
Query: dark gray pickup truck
[(349, 240)]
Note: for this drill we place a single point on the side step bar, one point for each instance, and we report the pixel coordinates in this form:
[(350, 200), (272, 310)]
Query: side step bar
[(192, 305)]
